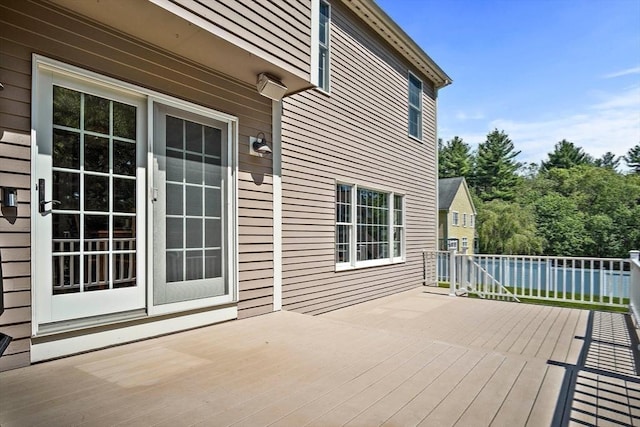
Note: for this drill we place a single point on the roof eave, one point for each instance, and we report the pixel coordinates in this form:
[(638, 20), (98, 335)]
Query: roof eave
[(386, 28)]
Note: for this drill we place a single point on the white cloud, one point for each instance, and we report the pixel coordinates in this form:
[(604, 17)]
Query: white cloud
[(635, 70), (462, 115), (611, 125)]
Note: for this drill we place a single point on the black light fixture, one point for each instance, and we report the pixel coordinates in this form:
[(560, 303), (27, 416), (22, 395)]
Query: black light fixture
[(258, 145), (9, 197)]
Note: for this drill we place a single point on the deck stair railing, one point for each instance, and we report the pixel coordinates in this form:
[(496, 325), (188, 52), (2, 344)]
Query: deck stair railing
[(473, 278), (581, 280)]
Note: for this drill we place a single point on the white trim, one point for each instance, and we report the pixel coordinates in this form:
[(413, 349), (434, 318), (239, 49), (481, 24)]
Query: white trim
[(52, 348), (353, 263), (420, 122), (455, 218), (55, 348), (276, 146), (315, 40)]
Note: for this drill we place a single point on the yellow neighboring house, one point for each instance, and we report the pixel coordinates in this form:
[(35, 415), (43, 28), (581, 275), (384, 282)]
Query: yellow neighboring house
[(456, 215)]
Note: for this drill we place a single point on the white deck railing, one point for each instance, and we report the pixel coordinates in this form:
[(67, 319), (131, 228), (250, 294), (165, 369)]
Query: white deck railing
[(567, 279), (634, 303), (96, 264)]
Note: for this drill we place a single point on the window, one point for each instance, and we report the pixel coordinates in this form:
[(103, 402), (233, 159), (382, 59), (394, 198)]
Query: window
[(323, 46), (464, 219), (471, 220), (415, 106), (369, 227), (455, 219), (465, 243)]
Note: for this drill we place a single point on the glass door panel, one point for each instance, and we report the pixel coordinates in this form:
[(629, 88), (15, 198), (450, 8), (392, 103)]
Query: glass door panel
[(88, 152), (190, 237)]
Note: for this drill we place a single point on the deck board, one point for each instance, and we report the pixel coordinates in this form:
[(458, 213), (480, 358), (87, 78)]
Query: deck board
[(415, 358)]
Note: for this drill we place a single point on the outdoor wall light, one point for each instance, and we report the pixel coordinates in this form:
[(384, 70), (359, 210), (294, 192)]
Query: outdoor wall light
[(270, 87), (9, 197), (258, 145)]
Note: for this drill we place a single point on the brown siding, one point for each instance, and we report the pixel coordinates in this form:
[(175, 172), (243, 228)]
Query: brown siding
[(272, 28), (33, 27), (324, 139)]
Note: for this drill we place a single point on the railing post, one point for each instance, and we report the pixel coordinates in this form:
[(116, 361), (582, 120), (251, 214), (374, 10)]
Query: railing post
[(634, 287), (452, 273)]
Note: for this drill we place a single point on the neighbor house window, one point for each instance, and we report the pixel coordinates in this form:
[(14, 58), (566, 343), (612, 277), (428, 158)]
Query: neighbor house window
[(454, 220), (465, 243), (415, 106), (464, 219), (369, 227), (323, 45), (471, 220)]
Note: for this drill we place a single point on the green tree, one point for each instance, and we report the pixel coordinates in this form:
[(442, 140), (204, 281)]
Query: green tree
[(632, 159), (507, 228), (608, 161), (565, 156), (454, 158), (561, 225), (495, 174)]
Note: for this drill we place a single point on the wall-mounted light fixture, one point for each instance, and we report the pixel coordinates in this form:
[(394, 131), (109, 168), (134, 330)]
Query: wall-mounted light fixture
[(270, 86), (9, 197), (258, 145)]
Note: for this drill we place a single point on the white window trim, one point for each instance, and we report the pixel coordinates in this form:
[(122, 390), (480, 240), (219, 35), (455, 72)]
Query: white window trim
[(409, 105), (353, 263), (465, 243), (455, 219), (464, 219), (42, 63), (315, 47)]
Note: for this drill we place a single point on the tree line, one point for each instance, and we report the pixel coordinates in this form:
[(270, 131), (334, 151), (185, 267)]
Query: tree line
[(570, 204)]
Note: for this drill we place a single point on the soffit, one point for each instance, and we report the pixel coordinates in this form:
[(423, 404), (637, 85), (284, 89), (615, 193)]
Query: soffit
[(160, 27)]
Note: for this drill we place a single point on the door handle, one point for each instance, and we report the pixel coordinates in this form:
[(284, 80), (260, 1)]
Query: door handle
[(42, 203)]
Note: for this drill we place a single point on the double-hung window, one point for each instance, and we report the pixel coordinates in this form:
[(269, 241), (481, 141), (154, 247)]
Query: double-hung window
[(464, 219), (369, 227), (455, 219), (323, 45), (415, 106)]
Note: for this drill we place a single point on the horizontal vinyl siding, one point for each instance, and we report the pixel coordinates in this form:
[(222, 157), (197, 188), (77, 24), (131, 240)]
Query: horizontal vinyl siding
[(358, 134), (273, 28), (32, 27)]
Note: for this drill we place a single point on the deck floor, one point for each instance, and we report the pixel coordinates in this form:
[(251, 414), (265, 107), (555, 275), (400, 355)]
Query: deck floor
[(415, 358)]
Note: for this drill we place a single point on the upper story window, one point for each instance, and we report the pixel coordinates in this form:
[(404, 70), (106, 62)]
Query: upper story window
[(415, 106), (369, 227), (454, 219), (471, 220), (323, 45), (464, 219)]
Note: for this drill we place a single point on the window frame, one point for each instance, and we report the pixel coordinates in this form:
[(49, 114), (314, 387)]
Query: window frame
[(455, 218), (353, 243), (464, 219), (411, 106), (464, 244), (325, 84)]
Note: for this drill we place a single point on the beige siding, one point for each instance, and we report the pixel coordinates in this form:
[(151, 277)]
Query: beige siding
[(462, 204), (324, 140), (33, 27), (274, 29)]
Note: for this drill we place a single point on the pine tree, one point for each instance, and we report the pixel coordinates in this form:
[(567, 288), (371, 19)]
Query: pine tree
[(633, 159), (608, 161), (454, 158), (565, 156), (495, 174)]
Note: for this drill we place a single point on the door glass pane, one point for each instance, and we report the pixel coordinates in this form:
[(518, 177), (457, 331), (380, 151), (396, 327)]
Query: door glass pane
[(66, 107), (96, 154), (124, 159), (66, 149), (96, 114), (194, 230), (94, 225), (96, 193), (66, 190)]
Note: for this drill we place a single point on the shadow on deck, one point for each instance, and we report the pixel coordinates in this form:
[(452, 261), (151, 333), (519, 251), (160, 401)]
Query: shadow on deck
[(603, 387)]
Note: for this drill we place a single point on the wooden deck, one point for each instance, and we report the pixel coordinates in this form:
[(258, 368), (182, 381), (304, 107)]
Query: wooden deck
[(416, 358)]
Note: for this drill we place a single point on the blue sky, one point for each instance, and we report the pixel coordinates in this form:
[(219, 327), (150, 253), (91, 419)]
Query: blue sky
[(541, 70)]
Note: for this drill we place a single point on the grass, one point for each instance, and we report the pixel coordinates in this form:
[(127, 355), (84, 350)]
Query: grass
[(559, 303)]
